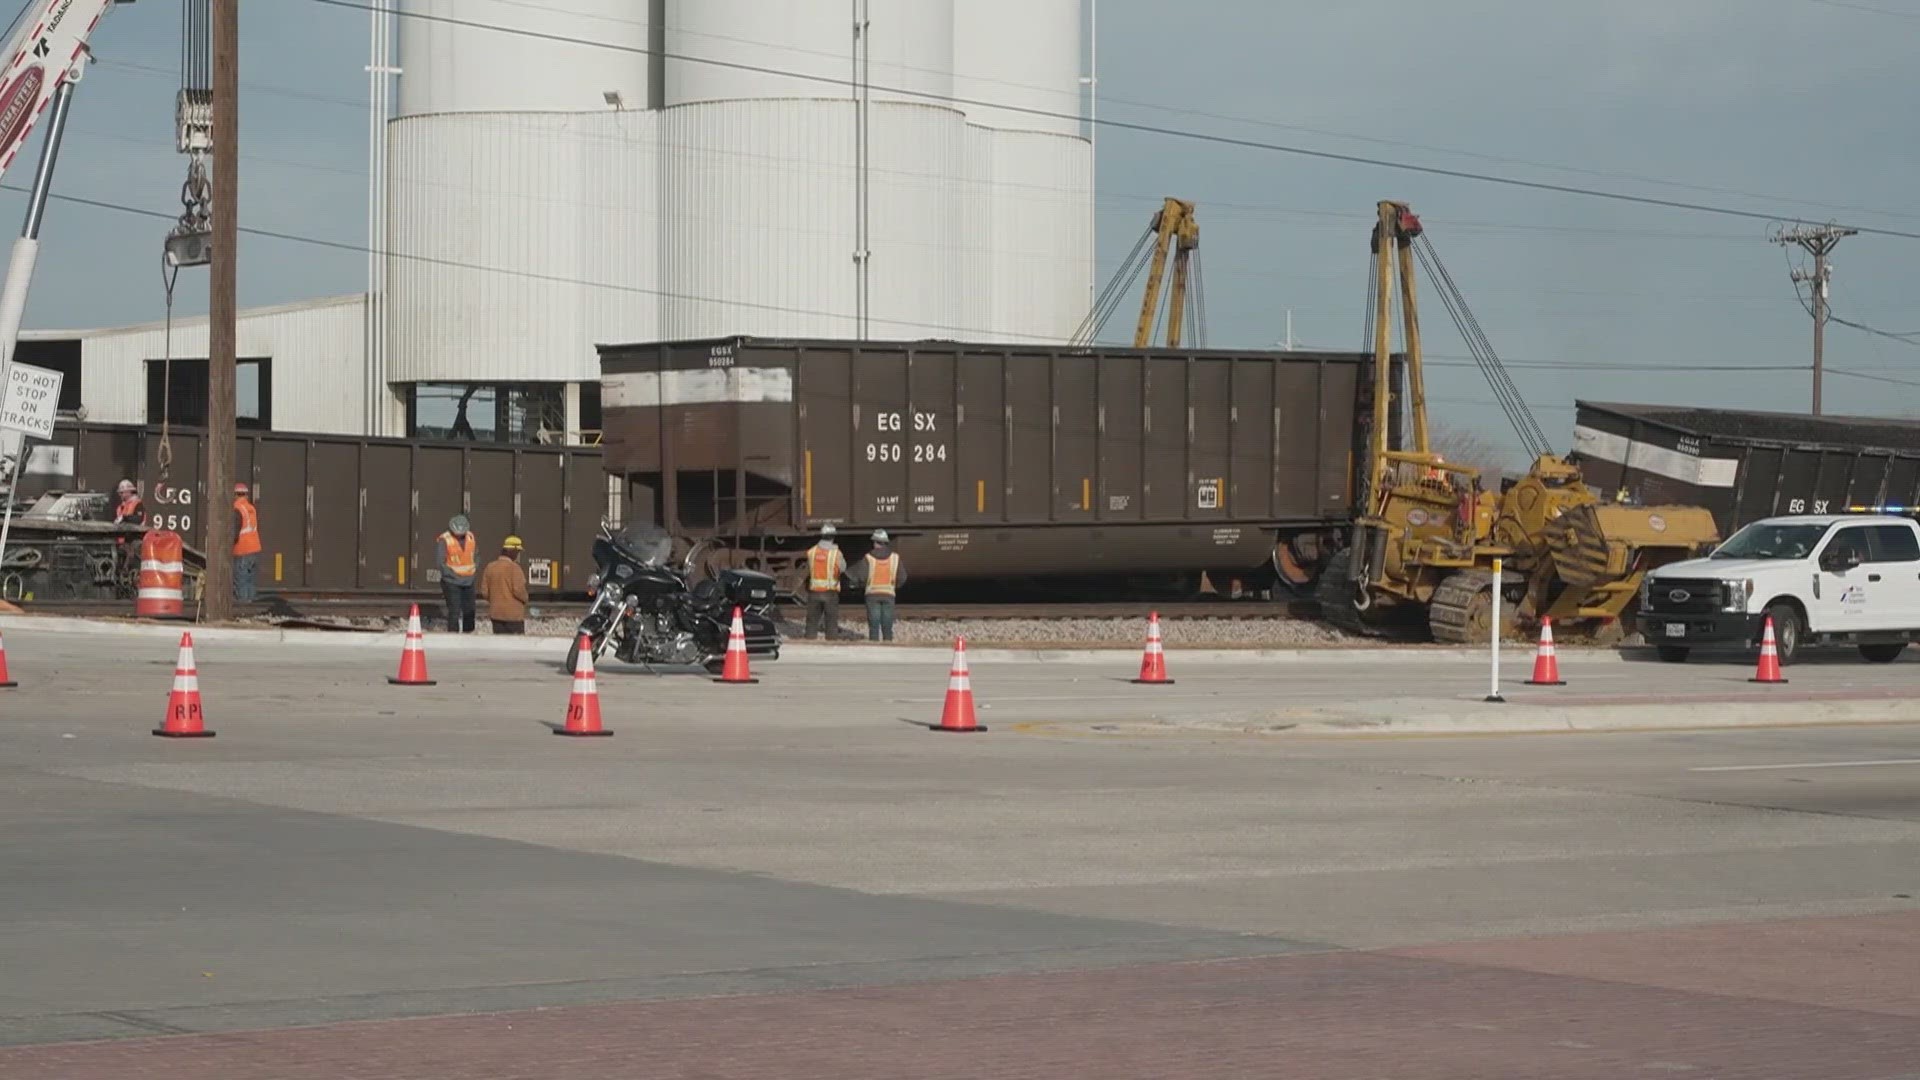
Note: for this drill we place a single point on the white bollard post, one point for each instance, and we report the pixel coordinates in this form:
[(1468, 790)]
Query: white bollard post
[(1493, 638)]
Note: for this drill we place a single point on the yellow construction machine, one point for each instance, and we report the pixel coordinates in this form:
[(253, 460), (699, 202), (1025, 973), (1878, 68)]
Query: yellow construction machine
[(1428, 534), (1174, 233)]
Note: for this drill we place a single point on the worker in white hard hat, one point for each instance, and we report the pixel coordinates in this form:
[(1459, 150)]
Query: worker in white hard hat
[(826, 568), (881, 576), (128, 510)]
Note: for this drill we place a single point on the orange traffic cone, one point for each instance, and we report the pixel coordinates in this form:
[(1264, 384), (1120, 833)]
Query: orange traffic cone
[(6, 680), (413, 655), (1769, 669), (184, 718), (1546, 663), (1153, 662), (957, 713), (583, 708), (734, 670)]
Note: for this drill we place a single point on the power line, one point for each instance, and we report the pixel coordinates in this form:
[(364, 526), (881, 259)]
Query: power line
[(1188, 110), (1850, 6), (1904, 339), (1436, 359), (1214, 207), (1874, 378), (1128, 125)]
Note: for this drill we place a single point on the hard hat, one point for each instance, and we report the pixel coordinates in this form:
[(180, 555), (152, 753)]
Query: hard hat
[(828, 529), (124, 487), (879, 536), (240, 487), (458, 524), (512, 543)]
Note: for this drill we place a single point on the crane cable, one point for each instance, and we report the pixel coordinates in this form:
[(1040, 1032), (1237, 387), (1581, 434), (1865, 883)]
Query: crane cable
[(196, 194), (1116, 289), (1505, 392)]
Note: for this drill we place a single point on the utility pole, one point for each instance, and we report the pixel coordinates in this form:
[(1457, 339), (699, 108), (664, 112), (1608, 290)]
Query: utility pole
[(1818, 241), (222, 312)]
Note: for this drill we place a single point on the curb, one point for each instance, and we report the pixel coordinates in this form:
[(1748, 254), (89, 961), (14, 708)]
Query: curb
[(1537, 720), (799, 653)]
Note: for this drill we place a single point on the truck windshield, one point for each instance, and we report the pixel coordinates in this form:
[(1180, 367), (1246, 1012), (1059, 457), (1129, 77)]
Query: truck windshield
[(1761, 540)]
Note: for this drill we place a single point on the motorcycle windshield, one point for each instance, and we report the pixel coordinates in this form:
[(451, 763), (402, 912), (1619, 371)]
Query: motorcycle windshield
[(644, 544)]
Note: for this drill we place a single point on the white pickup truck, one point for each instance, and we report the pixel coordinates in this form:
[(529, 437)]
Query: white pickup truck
[(1825, 579)]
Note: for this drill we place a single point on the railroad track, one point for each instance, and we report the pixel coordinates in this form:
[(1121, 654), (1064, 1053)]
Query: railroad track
[(1213, 609), (325, 609)]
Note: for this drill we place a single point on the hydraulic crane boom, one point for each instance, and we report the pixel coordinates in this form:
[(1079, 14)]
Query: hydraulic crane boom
[(1430, 540), (1174, 232), (1175, 228), (45, 58), (43, 53)]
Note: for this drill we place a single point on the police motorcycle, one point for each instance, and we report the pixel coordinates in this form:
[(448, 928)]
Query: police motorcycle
[(645, 612)]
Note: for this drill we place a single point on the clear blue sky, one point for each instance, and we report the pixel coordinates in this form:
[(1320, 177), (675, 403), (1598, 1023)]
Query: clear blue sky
[(1802, 107)]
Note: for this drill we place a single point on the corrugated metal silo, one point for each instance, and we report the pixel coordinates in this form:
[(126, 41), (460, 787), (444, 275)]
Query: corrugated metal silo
[(807, 145), (1034, 170), (813, 182), (521, 204)]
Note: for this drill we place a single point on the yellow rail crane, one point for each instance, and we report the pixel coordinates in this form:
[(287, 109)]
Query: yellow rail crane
[(1427, 533), (1173, 235)]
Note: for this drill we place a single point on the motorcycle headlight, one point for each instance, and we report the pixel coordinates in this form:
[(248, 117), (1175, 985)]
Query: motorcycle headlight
[(1738, 593)]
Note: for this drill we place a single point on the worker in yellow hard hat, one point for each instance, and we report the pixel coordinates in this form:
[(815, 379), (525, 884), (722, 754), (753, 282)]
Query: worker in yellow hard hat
[(503, 585)]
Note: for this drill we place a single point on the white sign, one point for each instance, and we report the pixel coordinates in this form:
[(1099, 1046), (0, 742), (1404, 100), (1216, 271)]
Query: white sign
[(33, 396)]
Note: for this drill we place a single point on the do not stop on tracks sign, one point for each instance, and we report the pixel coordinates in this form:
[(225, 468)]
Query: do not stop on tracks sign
[(32, 398)]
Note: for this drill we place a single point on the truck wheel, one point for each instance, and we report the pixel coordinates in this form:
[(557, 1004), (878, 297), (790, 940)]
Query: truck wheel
[(1884, 653), (1786, 631), (1674, 654)]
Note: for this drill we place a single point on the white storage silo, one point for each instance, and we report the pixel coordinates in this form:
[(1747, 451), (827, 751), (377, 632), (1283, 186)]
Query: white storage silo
[(812, 161), (1016, 73), (553, 185), (522, 203)]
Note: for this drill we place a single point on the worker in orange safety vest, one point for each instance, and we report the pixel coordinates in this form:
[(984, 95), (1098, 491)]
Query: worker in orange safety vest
[(459, 573), (246, 545), (826, 568), (881, 575)]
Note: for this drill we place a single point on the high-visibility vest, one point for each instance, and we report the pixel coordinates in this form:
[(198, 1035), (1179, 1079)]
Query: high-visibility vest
[(128, 513), (823, 569), (248, 542), (459, 556), (882, 573)]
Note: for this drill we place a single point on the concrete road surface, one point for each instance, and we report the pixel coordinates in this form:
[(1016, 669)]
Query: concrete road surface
[(795, 879)]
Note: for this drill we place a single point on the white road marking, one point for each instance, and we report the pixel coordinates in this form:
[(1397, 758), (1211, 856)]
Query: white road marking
[(1806, 765), (1003, 697)]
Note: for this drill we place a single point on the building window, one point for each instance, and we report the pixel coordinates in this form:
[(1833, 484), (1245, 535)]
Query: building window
[(487, 412), (60, 356), (184, 401), (590, 412)]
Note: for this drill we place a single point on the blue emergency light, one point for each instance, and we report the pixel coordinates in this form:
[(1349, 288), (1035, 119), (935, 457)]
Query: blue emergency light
[(1883, 509)]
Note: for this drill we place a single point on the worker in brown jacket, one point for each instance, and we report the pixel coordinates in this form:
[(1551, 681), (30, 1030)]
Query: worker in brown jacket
[(503, 585)]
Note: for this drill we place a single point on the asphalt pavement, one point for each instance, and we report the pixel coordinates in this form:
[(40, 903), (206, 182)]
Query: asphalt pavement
[(392, 879)]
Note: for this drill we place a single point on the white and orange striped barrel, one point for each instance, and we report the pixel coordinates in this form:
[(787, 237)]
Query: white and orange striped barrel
[(163, 574)]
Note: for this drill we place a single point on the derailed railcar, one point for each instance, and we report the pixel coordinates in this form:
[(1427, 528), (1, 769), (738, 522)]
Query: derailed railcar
[(1744, 465), (988, 461)]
